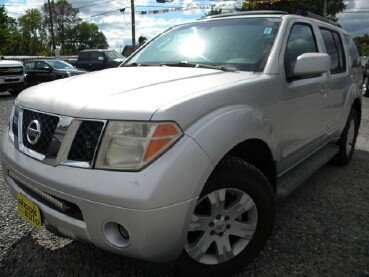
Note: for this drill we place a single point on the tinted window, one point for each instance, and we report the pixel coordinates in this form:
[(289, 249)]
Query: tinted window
[(59, 64), (29, 65), (333, 44), (97, 56), (301, 40), (111, 55), (84, 56), (42, 65), (354, 53)]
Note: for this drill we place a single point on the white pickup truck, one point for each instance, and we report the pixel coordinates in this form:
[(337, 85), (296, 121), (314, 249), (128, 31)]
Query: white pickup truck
[(12, 76)]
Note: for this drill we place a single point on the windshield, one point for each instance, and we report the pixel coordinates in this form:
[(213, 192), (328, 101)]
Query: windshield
[(243, 44), (60, 64)]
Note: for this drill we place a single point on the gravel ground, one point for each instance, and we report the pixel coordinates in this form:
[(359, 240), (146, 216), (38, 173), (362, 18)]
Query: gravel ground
[(322, 229)]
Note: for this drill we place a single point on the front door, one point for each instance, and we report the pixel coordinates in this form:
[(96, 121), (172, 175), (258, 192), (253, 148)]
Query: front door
[(304, 101)]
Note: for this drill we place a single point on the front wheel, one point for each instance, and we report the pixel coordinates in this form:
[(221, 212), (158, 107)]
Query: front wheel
[(347, 141), (231, 223)]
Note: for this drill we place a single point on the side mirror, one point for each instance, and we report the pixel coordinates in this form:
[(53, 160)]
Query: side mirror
[(312, 64)]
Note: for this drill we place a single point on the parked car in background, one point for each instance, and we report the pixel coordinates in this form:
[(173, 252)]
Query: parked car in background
[(11, 76), (365, 68), (40, 71), (97, 59)]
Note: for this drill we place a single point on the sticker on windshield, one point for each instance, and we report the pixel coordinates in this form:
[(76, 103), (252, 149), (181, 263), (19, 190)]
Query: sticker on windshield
[(268, 31)]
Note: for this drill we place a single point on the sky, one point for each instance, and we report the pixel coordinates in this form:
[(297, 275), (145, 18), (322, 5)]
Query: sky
[(159, 16)]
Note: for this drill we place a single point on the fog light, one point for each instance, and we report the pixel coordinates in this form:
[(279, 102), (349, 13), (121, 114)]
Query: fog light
[(116, 234)]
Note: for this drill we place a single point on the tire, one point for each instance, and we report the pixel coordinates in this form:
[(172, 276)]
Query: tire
[(347, 141), (14, 91), (232, 221)]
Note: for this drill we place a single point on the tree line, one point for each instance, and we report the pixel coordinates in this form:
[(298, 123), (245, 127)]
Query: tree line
[(363, 44), (39, 32)]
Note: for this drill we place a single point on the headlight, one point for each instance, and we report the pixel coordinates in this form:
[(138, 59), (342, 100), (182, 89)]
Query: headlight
[(132, 145), (13, 122)]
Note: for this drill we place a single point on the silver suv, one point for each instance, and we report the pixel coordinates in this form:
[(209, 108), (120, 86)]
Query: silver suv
[(178, 154)]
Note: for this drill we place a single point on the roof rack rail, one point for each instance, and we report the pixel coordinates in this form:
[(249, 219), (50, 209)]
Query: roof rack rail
[(260, 12), (276, 12), (316, 16)]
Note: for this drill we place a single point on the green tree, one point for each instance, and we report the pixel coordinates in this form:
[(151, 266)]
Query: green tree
[(315, 6), (64, 18), (9, 35), (363, 44), (84, 36), (33, 33)]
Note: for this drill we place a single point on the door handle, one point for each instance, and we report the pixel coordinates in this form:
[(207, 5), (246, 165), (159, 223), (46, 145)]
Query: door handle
[(324, 90)]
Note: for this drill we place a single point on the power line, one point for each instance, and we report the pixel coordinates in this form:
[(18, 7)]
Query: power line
[(116, 10), (82, 7)]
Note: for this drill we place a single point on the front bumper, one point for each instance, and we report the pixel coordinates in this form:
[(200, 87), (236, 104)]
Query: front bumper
[(12, 81), (154, 205)]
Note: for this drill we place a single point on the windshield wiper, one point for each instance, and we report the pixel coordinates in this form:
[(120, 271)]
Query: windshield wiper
[(200, 65)]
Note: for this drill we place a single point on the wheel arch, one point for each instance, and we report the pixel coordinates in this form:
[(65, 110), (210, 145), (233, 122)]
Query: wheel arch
[(241, 131), (257, 153)]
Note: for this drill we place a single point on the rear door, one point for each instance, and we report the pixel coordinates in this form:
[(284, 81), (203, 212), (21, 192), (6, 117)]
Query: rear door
[(84, 60), (339, 78)]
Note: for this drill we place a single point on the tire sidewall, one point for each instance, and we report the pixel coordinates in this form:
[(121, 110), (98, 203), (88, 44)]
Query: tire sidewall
[(342, 157), (255, 184)]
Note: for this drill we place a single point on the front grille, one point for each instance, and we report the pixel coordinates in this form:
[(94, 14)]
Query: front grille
[(11, 80), (55, 139), (11, 71), (85, 142), (48, 125)]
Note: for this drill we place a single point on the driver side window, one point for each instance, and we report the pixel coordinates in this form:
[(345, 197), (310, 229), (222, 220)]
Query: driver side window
[(301, 40)]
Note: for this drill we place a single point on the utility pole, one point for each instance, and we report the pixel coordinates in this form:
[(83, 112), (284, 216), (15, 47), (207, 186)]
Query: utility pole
[(133, 25), (325, 9), (51, 25)]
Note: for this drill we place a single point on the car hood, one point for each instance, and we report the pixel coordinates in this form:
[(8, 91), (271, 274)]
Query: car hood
[(9, 63), (130, 93)]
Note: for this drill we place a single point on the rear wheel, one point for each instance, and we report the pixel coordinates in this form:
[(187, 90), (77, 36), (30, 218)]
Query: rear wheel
[(15, 91), (231, 223), (348, 139), (364, 88)]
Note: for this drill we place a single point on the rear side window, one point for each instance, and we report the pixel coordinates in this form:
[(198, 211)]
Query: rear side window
[(301, 40), (30, 65), (97, 56), (84, 56), (333, 44), (354, 53)]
